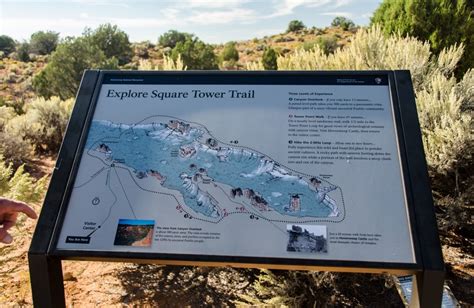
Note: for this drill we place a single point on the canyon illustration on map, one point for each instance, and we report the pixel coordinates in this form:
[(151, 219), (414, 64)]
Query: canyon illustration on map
[(205, 178)]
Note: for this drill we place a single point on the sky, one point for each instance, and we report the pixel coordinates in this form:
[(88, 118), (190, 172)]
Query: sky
[(216, 21)]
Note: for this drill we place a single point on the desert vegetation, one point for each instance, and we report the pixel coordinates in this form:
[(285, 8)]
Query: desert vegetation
[(40, 78), (441, 22)]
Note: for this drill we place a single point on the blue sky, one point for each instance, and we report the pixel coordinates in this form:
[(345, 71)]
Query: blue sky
[(214, 21)]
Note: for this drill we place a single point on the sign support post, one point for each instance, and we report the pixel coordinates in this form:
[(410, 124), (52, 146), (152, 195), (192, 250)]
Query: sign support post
[(47, 284), (427, 284), (46, 273), (427, 289)]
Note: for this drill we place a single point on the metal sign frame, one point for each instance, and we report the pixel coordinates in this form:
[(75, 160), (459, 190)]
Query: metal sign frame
[(45, 259)]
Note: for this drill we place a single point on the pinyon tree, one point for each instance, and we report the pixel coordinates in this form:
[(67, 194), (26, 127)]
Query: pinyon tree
[(441, 22), (44, 43)]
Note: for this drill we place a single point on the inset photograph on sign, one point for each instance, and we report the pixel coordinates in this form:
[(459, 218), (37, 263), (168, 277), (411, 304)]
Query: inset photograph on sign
[(134, 232), (307, 238)]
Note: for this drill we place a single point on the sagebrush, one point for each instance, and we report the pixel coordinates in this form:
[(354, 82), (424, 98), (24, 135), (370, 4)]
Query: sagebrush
[(168, 65), (42, 125), (441, 99), (19, 185)]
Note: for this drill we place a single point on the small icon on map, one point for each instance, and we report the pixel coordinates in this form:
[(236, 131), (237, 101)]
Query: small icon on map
[(95, 201)]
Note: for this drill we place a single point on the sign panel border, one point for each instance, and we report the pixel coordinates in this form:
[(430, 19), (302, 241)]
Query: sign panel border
[(68, 161)]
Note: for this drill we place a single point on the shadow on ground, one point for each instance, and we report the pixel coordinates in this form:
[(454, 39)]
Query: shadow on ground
[(170, 286)]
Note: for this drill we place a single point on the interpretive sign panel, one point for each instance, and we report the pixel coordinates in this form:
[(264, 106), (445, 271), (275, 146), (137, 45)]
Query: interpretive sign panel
[(289, 170), (282, 171)]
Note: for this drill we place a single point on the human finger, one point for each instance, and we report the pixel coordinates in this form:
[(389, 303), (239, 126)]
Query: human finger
[(23, 208), (8, 224), (5, 237)]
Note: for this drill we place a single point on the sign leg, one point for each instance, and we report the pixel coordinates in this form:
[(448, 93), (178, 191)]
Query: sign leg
[(46, 276), (427, 289)]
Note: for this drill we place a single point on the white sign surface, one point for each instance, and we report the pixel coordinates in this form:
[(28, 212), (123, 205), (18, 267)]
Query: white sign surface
[(287, 171)]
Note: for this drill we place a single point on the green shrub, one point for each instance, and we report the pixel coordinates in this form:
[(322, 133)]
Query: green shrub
[(43, 124), (279, 288), (6, 114), (146, 65), (269, 59), (173, 37), (8, 110), (466, 89), (229, 65), (369, 49), (230, 53), (168, 65), (17, 105), (171, 65), (328, 44), (446, 130), (196, 55), (23, 52), (441, 99), (141, 50), (295, 25), (7, 44), (254, 66), (62, 75), (310, 45), (20, 185), (15, 149), (112, 41), (343, 23), (44, 43), (441, 22), (130, 66)]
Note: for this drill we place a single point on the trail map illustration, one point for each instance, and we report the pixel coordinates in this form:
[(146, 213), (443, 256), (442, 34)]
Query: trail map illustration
[(185, 158)]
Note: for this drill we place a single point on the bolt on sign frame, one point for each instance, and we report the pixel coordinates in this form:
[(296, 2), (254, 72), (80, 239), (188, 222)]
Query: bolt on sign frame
[(46, 253)]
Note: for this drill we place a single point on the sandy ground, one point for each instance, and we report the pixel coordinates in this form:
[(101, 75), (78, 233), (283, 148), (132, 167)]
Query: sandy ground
[(101, 284)]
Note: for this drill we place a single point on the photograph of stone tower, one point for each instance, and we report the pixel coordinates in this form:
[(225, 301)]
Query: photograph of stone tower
[(307, 238)]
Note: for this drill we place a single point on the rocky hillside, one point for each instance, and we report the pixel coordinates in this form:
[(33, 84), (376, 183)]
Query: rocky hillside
[(16, 76)]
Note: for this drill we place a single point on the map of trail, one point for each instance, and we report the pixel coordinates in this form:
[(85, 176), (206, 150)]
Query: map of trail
[(213, 178)]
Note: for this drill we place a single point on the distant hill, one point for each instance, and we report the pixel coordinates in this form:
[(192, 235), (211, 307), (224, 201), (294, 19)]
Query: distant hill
[(252, 50), (16, 76), (283, 43)]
